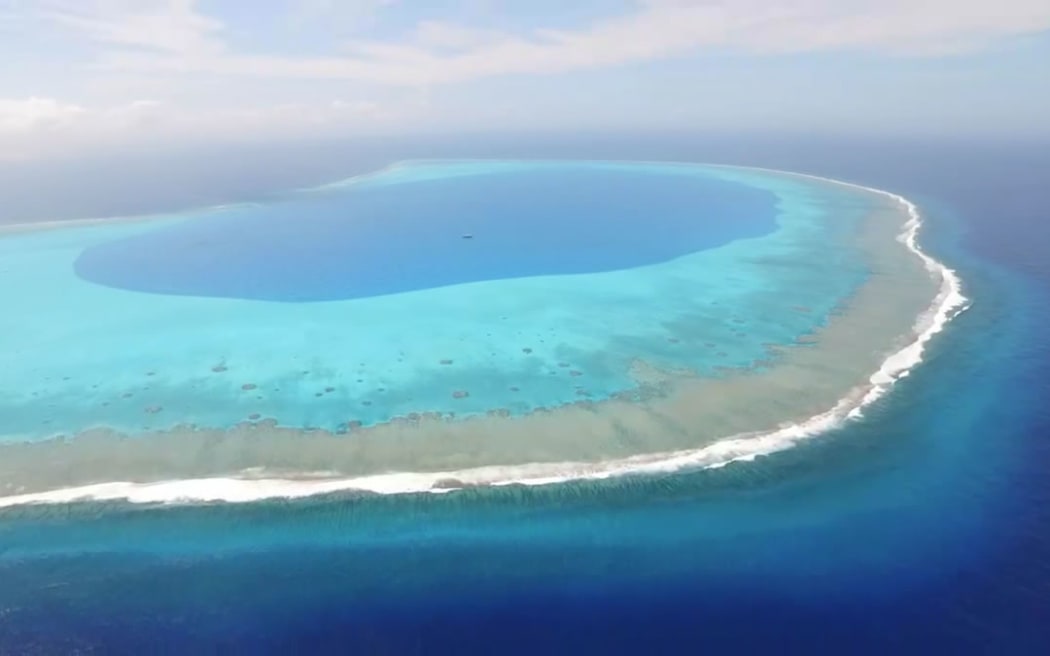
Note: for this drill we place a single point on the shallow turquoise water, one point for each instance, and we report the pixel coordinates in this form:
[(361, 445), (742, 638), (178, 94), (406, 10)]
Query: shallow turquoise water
[(179, 351), (923, 529), (832, 524)]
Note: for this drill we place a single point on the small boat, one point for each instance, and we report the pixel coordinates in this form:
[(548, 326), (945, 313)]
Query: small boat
[(467, 235)]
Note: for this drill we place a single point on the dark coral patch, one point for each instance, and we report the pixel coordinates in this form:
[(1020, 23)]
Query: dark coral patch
[(526, 350), (460, 394), (446, 361), (329, 390), (153, 409), (575, 372), (515, 389), (248, 386), (253, 416), (219, 368)]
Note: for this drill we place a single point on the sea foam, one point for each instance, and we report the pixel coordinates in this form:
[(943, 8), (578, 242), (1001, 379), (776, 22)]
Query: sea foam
[(948, 304)]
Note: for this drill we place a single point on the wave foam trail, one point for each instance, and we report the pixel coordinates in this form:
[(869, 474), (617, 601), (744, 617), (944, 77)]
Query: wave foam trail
[(948, 304)]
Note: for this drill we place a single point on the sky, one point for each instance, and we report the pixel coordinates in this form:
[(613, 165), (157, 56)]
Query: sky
[(105, 75)]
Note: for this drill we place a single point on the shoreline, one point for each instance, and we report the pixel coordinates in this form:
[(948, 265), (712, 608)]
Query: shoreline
[(948, 303)]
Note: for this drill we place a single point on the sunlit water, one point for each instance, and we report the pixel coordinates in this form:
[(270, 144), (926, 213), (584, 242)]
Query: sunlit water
[(918, 528)]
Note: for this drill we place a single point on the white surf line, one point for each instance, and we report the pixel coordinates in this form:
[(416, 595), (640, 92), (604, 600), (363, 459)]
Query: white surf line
[(948, 304)]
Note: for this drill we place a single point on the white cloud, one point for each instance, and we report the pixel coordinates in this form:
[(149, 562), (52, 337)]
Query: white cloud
[(32, 115), (442, 36), (173, 26), (40, 127), (173, 36), (119, 50)]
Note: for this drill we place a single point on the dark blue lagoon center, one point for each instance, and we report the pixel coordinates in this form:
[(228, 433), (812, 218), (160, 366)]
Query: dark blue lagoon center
[(391, 232)]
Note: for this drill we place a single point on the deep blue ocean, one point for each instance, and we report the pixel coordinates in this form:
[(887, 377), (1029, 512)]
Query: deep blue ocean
[(924, 528)]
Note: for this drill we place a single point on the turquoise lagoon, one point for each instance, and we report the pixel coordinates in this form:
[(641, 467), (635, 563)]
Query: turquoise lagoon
[(437, 324)]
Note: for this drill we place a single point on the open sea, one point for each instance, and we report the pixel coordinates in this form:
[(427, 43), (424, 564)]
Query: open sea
[(924, 527)]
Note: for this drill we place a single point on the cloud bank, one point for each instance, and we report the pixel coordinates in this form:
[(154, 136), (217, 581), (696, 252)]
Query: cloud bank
[(176, 43), (174, 36)]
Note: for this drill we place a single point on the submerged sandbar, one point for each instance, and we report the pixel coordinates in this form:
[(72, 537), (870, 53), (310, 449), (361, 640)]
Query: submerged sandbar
[(671, 417)]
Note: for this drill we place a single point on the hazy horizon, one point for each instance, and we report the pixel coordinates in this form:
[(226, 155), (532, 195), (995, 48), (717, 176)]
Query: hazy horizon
[(123, 183)]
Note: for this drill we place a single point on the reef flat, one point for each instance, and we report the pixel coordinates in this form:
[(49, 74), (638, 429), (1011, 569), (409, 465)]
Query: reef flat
[(737, 350)]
